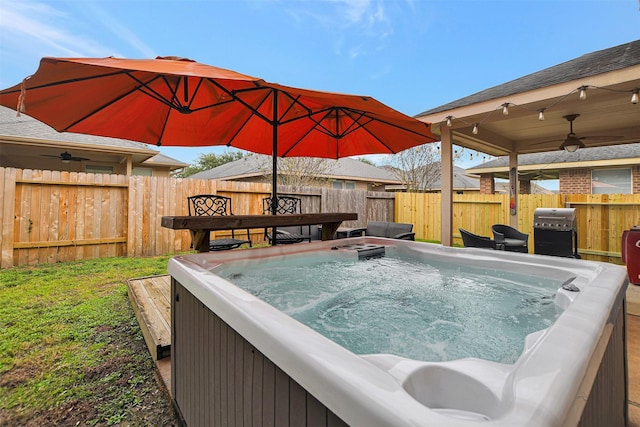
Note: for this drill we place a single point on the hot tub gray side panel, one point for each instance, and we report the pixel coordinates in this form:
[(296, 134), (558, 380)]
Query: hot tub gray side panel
[(607, 401), (219, 379)]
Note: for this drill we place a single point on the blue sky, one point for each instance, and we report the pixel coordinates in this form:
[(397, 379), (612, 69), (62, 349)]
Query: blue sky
[(410, 54)]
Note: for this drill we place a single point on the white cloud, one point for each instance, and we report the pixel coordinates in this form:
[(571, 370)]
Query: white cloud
[(365, 18), (385, 70), (356, 28), (120, 31), (357, 51), (366, 15), (44, 30), (38, 27), (355, 10)]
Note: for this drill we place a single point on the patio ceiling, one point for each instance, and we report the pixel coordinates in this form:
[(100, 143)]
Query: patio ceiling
[(610, 76)]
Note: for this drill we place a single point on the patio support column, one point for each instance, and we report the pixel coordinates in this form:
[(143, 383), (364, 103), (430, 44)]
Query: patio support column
[(446, 203), (513, 189)]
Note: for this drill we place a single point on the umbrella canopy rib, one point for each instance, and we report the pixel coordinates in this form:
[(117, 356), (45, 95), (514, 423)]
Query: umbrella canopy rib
[(254, 112), (254, 109), (63, 82)]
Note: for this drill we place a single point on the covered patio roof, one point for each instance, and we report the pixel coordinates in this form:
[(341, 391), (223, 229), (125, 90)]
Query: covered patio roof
[(609, 78), (601, 87)]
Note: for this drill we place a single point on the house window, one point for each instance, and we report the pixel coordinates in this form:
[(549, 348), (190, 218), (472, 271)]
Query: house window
[(142, 171), (611, 181), (98, 169), (346, 185)]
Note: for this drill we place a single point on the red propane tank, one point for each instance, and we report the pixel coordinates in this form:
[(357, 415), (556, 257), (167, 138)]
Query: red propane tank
[(631, 253)]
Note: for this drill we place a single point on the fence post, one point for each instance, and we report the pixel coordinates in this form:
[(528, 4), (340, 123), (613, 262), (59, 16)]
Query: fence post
[(7, 212)]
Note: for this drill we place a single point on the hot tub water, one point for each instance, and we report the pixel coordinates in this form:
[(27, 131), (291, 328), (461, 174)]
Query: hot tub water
[(405, 306)]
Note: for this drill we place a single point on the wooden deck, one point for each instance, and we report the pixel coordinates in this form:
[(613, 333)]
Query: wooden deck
[(151, 301)]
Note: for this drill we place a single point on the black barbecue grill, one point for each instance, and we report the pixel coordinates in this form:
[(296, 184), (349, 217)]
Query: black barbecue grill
[(555, 232)]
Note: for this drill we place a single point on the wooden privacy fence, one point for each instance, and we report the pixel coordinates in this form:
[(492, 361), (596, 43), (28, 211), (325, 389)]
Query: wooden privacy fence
[(601, 218), (50, 216)]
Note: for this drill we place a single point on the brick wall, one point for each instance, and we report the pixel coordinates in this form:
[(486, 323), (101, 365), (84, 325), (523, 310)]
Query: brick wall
[(487, 184), (572, 181), (578, 181), (575, 181)]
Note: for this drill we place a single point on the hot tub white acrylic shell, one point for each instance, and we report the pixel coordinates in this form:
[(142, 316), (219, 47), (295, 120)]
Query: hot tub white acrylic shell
[(543, 388)]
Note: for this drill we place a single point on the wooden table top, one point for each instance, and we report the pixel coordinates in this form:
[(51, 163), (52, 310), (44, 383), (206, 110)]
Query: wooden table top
[(230, 222)]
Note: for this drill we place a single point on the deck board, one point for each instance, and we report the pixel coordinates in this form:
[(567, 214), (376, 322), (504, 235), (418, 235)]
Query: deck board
[(151, 301)]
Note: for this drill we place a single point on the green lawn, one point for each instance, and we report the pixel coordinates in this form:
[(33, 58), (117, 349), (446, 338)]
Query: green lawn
[(71, 350)]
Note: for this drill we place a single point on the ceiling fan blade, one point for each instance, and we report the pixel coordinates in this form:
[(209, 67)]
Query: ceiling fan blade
[(66, 157), (548, 141)]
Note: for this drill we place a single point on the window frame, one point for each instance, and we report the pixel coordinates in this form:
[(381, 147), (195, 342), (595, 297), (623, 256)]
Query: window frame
[(607, 188)]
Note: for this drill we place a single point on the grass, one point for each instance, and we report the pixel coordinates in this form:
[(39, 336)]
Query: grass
[(71, 350)]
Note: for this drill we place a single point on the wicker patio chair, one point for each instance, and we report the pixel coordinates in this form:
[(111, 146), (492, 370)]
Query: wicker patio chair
[(509, 239), (471, 240)]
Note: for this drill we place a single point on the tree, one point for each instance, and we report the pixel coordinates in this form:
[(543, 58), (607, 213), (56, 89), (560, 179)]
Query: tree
[(419, 167), (367, 161), (298, 172), (210, 161)]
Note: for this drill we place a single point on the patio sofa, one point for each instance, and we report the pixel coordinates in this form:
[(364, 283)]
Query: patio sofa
[(391, 230)]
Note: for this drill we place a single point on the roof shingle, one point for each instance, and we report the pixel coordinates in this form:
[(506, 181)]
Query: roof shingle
[(590, 64)]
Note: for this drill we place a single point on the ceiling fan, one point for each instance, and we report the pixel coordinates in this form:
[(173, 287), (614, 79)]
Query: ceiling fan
[(66, 157), (572, 142)]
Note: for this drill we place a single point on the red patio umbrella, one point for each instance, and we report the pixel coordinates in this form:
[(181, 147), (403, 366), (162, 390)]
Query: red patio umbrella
[(180, 102)]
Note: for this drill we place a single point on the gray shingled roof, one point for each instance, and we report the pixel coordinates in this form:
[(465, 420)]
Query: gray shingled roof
[(626, 151), (256, 164), (591, 64), (346, 168), (461, 181), (163, 160)]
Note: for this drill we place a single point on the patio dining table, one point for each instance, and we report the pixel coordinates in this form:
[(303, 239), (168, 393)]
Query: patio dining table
[(201, 226)]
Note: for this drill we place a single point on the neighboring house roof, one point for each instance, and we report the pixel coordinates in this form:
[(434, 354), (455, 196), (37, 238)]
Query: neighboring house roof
[(503, 188), (162, 160), (550, 162), (27, 129), (260, 165), (590, 64), (461, 181)]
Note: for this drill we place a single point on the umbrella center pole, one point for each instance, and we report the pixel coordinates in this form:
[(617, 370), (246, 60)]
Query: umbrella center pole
[(274, 168)]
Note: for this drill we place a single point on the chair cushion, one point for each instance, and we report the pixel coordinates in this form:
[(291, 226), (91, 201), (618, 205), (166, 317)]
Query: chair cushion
[(514, 242), (377, 229)]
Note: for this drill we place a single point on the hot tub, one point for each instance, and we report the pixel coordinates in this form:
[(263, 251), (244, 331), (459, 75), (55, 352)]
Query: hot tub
[(237, 360)]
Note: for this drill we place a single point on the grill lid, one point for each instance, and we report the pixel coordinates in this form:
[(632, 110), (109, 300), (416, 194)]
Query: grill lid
[(555, 218)]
